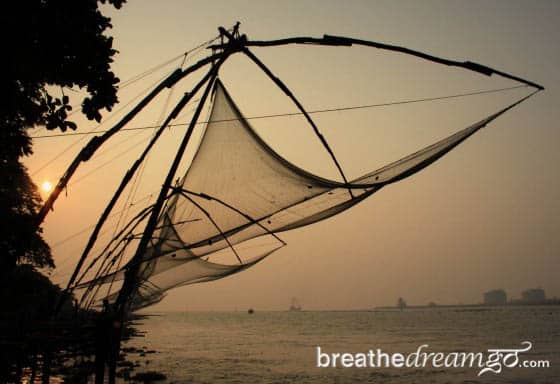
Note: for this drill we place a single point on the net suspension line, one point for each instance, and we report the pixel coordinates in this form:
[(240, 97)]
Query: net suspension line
[(315, 111)]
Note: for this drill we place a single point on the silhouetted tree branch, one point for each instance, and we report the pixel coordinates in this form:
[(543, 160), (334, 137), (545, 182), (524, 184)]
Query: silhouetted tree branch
[(49, 46)]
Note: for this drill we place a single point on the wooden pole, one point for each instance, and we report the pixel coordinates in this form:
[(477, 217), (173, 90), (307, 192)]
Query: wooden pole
[(126, 293), (126, 179), (96, 142), (338, 41), (131, 274)]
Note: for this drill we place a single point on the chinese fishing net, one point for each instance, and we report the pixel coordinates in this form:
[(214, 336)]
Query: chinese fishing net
[(238, 189)]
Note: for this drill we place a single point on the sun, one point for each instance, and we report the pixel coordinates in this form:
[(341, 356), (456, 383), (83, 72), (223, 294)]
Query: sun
[(46, 186)]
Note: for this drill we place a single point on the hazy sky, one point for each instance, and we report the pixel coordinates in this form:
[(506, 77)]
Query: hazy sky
[(485, 216)]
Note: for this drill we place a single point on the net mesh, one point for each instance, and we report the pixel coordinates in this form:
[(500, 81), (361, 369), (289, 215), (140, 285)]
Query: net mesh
[(237, 189)]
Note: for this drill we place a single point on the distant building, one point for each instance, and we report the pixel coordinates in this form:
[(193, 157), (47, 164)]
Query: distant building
[(495, 297), (533, 296)]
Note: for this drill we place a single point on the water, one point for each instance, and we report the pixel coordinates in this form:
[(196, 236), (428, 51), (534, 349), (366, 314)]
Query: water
[(280, 347)]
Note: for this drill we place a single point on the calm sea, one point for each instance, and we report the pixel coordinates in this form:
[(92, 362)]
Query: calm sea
[(280, 347)]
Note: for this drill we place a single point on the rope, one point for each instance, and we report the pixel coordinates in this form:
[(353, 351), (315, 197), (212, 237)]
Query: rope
[(327, 110), (124, 84), (95, 128), (110, 161), (136, 183), (63, 261)]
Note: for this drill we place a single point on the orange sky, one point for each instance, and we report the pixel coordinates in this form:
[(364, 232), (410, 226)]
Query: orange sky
[(485, 216)]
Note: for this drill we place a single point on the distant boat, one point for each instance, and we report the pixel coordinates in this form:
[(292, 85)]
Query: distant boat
[(295, 306), (250, 311)]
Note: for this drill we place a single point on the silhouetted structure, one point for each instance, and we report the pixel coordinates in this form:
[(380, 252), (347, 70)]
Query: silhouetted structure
[(533, 296), (238, 190), (495, 297), (295, 305)]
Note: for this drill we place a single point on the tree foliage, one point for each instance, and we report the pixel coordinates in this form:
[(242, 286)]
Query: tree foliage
[(19, 202), (49, 47)]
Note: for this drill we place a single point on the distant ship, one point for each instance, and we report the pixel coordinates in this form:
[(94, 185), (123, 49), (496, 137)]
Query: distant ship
[(250, 311), (295, 306)]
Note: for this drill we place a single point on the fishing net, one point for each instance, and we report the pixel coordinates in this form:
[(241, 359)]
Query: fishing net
[(238, 189)]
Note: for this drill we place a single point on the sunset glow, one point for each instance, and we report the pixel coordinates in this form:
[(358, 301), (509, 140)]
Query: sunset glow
[(46, 186)]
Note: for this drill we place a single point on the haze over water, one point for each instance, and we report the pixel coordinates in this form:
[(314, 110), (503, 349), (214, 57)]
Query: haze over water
[(280, 347)]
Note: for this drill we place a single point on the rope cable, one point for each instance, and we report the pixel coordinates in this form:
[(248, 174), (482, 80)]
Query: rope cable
[(136, 183), (326, 110), (63, 261), (108, 161), (189, 53), (95, 128)]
